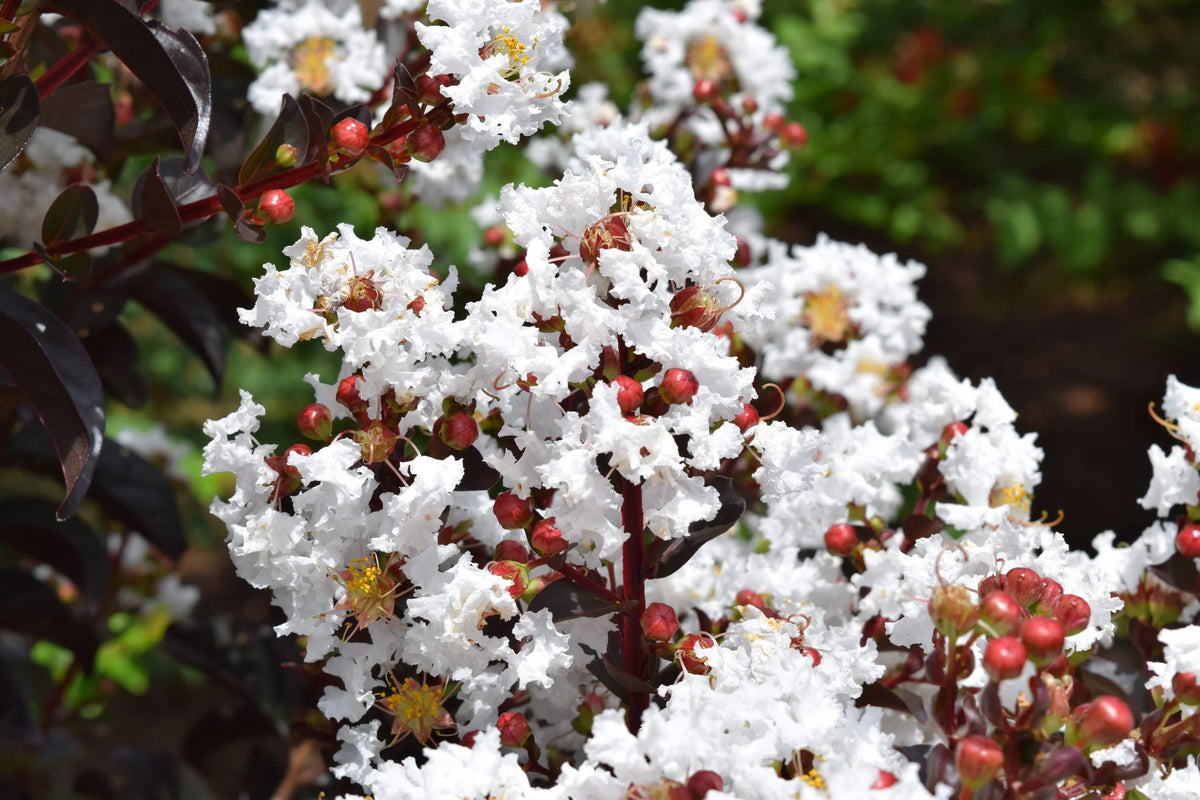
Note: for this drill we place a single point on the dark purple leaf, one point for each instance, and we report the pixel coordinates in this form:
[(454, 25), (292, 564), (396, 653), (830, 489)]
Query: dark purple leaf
[(172, 65), (876, 694), (250, 232), (167, 292), (131, 489), (73, 267), (665, 557), (377, 153), (226, 296), (1180, 573), (290, 128), (185, 187), (231, 203), (47, 362), (565, 601), (919, 526), (153, 204), (318, 118), (28, 526), (1061, 763), (30, 607), (72, 214), (18, 116), (477, 475), (84, 111), (114, 353)]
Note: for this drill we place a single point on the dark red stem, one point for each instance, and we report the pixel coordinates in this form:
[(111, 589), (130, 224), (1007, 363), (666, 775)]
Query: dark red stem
[(633, 589), (8, 11), (583, 581), (65, 67)]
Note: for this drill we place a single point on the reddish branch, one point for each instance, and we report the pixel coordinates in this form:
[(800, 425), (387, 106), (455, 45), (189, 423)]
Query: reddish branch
[(633, 590)]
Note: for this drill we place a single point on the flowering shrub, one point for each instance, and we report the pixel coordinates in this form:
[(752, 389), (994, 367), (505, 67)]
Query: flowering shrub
[(661, 508)]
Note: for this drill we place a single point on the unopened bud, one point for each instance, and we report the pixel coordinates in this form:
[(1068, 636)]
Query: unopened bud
[(659, 622), (1043, 638), (516, 574), (1004, 658), (426, 143), (315, 422), (546, 538), (1102, 723), (629, 394), (514, 729), (678, 386), (978, 760), (350, 136), (1073, 612), (458, 431), (1187, 541), (512, 512), (703, 782), (953, 611), (285, 156), (1024, 584), (1001, 613), (276, 206), (841, 539)]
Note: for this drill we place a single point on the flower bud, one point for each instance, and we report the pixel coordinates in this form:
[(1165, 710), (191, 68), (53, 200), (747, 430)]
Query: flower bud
[(512, 512), (678, 386), (350, 136), (688, 658), (546, 539), (840, 539), (1073, 612), (1047, 601), (693, 307), (508, 550), (276, 206), (1023, 584), (978, 760), (992, 583), (1004, 658), (629, 394), (1101, 723), (609, 233), (705, 90), (315, 422), (741, 256), (1187, 541), (703, 782), (747, 419), (749, 597), (426, 143), (659, 622), (514, 729), (953, 611), (516, 574), (348, 395), (1186, 688), (794, 135), (1043, 638), (1001, 612), (458, 431), (286, 156), (884, 780)]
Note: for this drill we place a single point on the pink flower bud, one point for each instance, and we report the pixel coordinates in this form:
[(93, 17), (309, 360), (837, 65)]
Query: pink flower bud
[(749, 597), (426, 143), (978, 760), (705, 90), (659, 622), (1047, 601), (315, 422), (348, 394), (794, 135), (1186, 688), (747, 419), (678, 386), (884, 780), (350, 136), (629, 394), (1004, 658), (1023, 584), (703, 782), (508, 550), (693, 307), (276, 206)]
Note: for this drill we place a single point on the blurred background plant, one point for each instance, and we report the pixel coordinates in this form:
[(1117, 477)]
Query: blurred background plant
[(1042, 158)]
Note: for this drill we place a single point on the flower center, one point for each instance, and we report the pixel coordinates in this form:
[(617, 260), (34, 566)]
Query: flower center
[(370, 591), (507, 43), (825, 315), (417, 709), (1013, 495), (309, 62), (708, 60)]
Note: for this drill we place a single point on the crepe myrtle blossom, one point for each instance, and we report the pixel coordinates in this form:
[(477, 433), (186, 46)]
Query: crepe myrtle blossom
[(314, 46), (507, 62)]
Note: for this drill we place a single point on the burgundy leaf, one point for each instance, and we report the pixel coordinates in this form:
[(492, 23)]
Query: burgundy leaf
[(84, 111), (19, 109), (47, 362), (72, 214)]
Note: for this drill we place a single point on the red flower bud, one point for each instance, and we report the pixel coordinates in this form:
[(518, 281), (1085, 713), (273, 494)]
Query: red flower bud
[(1187, 541), (426, 143), (609, 233), (749, 597), (508, 550), (841, 539), (348, 394), (1186, 689), (1023, 584), (546, 539), (741, 256), (705, 90), (513, 512), (458, 431), (1043, 638), (629, 394), (1073, 612), (276, 206), (521, 269), (1004, 658), (514, 729), (992, 583), (884, 780), (659, 622), (687, 656), (1102, 723), (678, 386), (693, 307), (1001, 613), (978, 760), (703, 782), (719, 177), (747, 419), (315, 422), (1052, 592), (794, 135), (516, 574), (350, 136), (953, 611)]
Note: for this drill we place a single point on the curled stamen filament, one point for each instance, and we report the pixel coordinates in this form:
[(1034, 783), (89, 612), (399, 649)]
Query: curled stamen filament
[(937, 563), (1041, 521), (782, 402), (1170, 427), (742, 289)]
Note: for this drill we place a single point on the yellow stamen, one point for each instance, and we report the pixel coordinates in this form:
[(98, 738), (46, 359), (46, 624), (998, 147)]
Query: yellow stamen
[(310, 64)]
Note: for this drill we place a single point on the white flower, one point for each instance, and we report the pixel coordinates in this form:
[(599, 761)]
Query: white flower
[(503, 55), (193, 15), (306, 46)]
